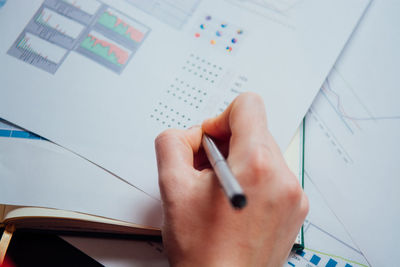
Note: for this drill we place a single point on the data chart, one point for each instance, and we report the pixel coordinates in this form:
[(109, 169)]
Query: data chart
[(103, 50), (91, 28), (63, 25), (38, 52)]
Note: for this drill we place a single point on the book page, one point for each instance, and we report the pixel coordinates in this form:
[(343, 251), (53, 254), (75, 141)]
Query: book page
[(293, 154), (35, 172), (15, 212), (2, 210), (103, 79)]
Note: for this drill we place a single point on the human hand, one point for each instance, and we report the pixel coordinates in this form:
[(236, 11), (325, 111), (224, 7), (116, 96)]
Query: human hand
[(200, 227)]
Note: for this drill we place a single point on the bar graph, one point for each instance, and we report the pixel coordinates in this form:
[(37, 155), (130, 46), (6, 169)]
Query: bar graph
[(38, 52), (61, 24), (321, 260), (35, 46), (296, 259), (315, 259), (2, 3)]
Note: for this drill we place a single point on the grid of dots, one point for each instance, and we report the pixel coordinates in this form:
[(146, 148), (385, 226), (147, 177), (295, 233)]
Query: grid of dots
[(187, 93), (202, 68), (170, 117)]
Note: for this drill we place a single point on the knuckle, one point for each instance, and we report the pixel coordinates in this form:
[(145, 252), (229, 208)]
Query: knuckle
[(252, 97), (305, 207), (166, 134), (260, 161), (172, 187), (293, 193), (168, 138)]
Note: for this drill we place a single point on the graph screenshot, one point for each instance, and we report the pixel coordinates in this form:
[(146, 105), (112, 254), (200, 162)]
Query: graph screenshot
[(122, 28), (104, 50), (91, 28), (51, 19)]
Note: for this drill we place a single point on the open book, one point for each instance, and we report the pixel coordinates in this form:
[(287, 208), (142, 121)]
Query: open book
[(68, 221)]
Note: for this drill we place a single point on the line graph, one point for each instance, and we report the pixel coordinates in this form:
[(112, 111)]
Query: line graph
[(103, 47), (61, 24), (326, 89), (348, 105), (322, 258), (118, 23)]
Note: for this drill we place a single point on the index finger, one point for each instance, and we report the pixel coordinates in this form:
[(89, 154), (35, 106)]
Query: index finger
[(175, 151), (244, 121)]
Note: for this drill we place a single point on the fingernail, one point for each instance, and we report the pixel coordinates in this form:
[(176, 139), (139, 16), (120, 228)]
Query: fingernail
[(194, 127)]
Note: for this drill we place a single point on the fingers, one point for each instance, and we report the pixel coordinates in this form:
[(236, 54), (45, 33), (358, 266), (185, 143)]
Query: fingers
[(175, 150), (245, 122), (246, 114)]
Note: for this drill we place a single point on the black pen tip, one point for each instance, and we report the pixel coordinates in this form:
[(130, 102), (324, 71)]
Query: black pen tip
[(239, 201)]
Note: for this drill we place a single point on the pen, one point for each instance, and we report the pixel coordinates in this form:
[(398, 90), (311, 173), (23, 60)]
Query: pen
[(230, 185)]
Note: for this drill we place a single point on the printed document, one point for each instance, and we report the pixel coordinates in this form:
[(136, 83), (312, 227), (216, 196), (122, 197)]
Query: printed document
[(103, 78)]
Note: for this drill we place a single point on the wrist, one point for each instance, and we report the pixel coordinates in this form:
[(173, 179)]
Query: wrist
[(216, 260)]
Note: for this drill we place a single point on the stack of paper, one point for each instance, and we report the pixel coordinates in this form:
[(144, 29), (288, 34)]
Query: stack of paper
[(100, 79)]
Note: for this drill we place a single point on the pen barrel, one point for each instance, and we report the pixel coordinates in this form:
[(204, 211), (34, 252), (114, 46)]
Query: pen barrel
[(230, 185), (224, 174)]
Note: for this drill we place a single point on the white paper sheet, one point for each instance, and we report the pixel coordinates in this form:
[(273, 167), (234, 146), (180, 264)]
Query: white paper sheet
[(327, 243), (132, 73), (39, 173), (352, 135)]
